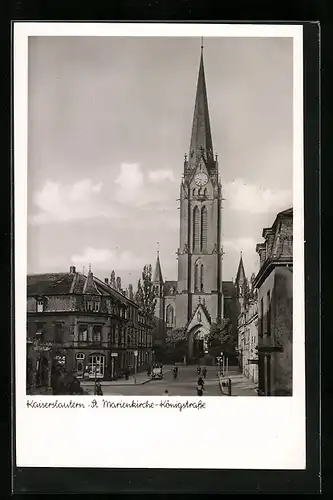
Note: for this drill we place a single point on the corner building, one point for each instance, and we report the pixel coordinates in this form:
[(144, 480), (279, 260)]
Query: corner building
[(195, 300)]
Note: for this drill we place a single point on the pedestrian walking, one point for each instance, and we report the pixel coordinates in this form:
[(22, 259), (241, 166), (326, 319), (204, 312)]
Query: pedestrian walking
[(204, 372), (200, 386), (99, 391), (200, 390), (201, 383)]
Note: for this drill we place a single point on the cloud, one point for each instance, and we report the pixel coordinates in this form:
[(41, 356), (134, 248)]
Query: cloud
[(156, 176), (254, 199), (129, 182), (105, 258), (133, 189), (63, 203)]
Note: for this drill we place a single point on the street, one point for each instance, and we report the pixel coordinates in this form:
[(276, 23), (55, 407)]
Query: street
[(184, 385)]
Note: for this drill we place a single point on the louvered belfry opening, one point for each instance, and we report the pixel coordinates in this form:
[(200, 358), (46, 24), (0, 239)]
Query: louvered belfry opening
[(196, 229), (203, 242)]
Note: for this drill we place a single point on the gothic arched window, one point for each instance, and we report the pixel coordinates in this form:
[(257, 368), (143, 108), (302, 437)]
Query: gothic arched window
[(194, 192), (203, 239), (169, 315), (196, 228), (196, 270), (201, 277), (198, 276)]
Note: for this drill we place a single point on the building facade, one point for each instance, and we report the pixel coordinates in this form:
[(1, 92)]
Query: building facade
[(274, 282), (248, 341), (195, 300), (247, 324), (85, 324)]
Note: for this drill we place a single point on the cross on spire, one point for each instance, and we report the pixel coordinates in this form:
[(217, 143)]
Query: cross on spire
[(202, 45)]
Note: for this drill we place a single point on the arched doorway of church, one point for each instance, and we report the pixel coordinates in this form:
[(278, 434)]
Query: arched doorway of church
[(198, 347), (196, 344)]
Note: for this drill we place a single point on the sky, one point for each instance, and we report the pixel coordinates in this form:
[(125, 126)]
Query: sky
[(109, 122)]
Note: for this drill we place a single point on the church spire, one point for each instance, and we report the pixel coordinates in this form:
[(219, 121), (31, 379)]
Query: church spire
[(158, 279), (240, 277), (201, 138)]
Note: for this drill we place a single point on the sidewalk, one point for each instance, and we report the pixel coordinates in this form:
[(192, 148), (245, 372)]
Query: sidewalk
[(141, 378), (240, 385)]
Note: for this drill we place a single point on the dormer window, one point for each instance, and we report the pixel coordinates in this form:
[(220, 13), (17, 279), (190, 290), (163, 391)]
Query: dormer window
[(40, 305), (92, 305)]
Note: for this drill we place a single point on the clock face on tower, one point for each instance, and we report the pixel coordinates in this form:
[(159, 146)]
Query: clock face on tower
[(201, 179)]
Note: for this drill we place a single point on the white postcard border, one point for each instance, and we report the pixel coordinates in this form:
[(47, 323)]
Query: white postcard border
[(234, 433)]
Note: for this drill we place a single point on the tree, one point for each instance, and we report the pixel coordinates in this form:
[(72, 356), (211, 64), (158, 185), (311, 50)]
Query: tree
[(220, 339), (175, 344), (144, 296)]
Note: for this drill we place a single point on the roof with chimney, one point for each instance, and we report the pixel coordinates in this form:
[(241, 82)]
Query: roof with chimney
[(69, 283), (285, 213)]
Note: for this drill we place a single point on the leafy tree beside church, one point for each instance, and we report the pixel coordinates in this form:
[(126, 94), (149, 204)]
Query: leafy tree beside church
[(175, 345), (144, 296), (221, 339)]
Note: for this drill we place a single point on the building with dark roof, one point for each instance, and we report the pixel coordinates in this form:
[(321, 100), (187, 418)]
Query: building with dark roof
[(91, 327), (274, 282)]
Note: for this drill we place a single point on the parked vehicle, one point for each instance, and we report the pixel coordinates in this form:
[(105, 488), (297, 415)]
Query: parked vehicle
[(157, 372)]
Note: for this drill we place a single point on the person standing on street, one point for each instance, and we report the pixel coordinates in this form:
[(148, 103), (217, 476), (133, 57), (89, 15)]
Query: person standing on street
[(200, 386), (99, 391), (204, 372)]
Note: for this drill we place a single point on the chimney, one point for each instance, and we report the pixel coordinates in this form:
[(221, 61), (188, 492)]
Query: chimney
[(72, 270), (106, 280)]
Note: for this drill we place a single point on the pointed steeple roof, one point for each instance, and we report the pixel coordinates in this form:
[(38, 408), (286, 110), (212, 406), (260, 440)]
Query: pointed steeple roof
[(201, 139), (158, 272), (90, 286), (240, 278)]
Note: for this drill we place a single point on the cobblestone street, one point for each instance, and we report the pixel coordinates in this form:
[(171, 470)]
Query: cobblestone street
[(184, 385)]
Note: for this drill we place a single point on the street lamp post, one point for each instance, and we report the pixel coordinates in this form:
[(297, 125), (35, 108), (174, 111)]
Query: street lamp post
[(222, 363), (135, 364), (95, 389)]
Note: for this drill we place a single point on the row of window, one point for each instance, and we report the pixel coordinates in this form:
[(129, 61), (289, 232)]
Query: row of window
[(200, 192), (96, 364), (200, 225), (265, 320), (94, 334), (94, 305)]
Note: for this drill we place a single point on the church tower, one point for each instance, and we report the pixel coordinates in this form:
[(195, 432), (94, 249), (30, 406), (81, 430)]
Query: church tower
[(241, 285), (200, 252), (158, 289)]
